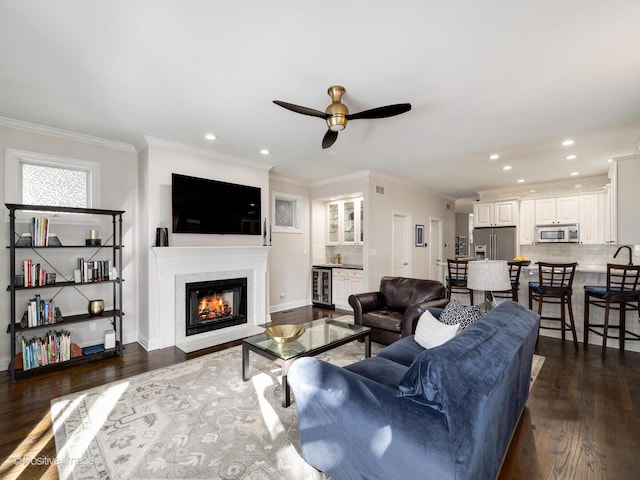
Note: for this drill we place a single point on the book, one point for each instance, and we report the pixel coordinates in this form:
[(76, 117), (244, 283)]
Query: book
[(92, 349)]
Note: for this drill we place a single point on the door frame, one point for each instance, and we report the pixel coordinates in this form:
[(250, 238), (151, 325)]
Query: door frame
[(436, 252)]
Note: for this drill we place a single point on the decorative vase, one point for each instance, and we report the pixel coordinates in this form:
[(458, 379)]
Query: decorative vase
[(96, 307)]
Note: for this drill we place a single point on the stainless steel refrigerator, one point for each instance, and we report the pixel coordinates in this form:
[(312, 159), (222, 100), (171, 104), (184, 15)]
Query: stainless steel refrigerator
[(495, 243)]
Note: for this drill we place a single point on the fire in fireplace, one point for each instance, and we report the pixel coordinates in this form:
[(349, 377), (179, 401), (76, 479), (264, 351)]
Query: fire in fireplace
[(215, 304)]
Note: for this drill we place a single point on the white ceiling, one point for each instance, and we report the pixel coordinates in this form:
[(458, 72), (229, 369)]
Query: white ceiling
[(504, 76)]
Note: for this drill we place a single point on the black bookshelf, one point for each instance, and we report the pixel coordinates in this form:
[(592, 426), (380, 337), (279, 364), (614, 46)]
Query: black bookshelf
[(15, 328)]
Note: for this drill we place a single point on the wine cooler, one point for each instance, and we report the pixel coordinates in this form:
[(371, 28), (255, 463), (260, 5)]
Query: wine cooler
[(321, 287)]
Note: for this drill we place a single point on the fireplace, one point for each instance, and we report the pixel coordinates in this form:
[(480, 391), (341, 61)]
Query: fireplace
[(215, 304)]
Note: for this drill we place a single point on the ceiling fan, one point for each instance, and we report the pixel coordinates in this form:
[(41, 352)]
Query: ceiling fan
[(337, 114)]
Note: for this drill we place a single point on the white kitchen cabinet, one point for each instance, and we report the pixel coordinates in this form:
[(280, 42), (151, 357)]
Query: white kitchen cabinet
[(344, 221), (333, 223), (495, 214), (527, 222), (560, 210), (628, 201), (346, 282), (591, 218)]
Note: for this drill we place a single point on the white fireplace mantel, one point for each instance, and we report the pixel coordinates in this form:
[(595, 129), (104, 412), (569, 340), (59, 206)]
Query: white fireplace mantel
[(172, 267)]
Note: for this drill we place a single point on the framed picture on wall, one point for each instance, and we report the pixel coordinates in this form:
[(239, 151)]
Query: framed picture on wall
[(419, 235)]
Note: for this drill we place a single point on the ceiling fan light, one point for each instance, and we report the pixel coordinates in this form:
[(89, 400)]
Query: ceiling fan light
[(337, 123)]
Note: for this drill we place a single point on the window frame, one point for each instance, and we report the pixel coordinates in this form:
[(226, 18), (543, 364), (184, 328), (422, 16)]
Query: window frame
[(297, 200), (14, 159)]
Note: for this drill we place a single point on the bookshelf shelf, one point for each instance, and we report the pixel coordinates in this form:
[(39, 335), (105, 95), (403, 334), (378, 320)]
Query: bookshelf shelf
[(63, 284), (115, 314), (67, 320), (111, 352)]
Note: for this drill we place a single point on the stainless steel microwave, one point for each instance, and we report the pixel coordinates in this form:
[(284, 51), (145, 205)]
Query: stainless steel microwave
[(558, 233)]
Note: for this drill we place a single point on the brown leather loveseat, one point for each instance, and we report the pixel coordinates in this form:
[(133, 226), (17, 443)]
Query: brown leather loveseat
[(393, 312)]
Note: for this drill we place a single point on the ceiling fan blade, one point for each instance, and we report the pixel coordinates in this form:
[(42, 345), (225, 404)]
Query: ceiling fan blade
[(381, 112), (329, 138), (303, 110)]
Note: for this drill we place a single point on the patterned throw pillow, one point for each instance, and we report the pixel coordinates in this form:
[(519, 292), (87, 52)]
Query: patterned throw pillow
[(455, 312)]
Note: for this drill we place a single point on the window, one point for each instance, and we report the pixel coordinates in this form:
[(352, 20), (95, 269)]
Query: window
[(286, 212), (40, 179)]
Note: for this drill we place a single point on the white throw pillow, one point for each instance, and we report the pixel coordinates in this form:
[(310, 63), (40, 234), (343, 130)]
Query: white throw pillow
[(430, 332)]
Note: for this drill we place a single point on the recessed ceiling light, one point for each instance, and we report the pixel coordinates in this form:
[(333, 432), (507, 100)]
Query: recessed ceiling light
[(210, 136), (573, 174), (532, 191), (610, 160), (521, 180), (571, 157), (568, 142), (264, 151), (494, 156), (578, 185), (507, 167)]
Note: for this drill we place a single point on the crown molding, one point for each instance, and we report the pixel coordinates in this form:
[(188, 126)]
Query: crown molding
[(66, 134), (342, 178), (149, 141), (558, 187), (400, 181), (289, 180)]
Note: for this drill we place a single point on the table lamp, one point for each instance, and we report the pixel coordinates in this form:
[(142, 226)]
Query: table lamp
[(488, 276)]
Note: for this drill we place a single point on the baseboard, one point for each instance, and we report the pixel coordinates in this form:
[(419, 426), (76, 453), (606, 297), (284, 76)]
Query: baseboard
[(289, 305)]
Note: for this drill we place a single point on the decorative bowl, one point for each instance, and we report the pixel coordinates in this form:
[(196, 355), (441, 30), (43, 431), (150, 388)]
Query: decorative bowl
[(284, 333), (95, 307)]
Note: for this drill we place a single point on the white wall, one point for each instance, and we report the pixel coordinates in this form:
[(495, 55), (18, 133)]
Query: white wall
[(118, 191), (290, 257), (422, 205)]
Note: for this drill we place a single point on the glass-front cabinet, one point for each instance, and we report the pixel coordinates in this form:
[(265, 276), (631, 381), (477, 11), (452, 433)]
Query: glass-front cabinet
[(349, 221), (333, 222), (345, 222)]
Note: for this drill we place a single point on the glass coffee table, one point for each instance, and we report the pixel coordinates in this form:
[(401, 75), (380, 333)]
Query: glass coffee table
[(319, 336)]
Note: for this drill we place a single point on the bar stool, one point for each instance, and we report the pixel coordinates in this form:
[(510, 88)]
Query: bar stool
[(514, 275), (555, 286), (622, 293), (457, 278)]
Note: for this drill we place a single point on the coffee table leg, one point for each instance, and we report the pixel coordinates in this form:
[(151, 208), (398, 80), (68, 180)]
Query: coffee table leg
[(286, 393), (367, 346), (245, 362)]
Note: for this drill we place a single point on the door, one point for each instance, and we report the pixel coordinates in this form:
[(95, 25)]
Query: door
[(401, 245), (436, 270)]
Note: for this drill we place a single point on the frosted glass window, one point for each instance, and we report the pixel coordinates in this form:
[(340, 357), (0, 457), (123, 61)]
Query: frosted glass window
[(286, 212), (61, 187)]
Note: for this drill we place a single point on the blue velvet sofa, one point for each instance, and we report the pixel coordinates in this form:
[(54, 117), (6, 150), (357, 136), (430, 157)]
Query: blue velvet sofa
[(444, 413)]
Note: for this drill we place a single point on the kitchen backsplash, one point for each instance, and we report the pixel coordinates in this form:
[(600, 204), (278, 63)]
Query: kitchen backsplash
[(575, 252), (349, 254)]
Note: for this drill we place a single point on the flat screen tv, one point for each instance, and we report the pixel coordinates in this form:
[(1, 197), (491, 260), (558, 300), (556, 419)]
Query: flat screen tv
[(201, 205)]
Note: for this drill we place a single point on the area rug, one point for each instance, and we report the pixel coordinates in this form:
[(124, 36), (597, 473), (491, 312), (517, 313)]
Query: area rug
[(193, 420)]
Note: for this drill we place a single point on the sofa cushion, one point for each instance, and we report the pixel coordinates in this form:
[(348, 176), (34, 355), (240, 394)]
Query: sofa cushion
[(431, 332), (384, 319), (404, 351), (380, 370), (456, 313)]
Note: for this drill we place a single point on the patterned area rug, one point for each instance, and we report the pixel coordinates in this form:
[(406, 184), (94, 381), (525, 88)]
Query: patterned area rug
[(193, 420)]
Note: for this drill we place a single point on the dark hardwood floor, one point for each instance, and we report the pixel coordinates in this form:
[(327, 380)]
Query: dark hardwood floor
[(582, 419)]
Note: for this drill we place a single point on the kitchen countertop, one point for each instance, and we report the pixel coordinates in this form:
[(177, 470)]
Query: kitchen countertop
[(338, 265), (579, 268)]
